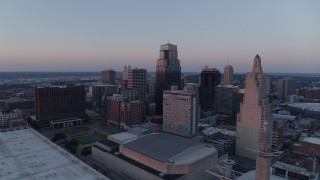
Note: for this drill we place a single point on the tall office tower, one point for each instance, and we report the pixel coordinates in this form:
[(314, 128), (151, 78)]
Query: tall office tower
[(181, 110), (125, 72), (223, 98), (151, 85), (168, 73), (99, 96), (228, 75), (237, 99), (137, 80), (255, 112), (54, 103), (209, 79), (108, 76), (286, 87)]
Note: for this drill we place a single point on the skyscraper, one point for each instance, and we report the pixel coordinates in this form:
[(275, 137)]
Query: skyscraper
[(137, 80), (209, 79), (125, 77), (228, 75), (100, 92), (181, 110), (125, 72), (255, 113), (108, 76), (286, 87), (223, 98), (168, 72)]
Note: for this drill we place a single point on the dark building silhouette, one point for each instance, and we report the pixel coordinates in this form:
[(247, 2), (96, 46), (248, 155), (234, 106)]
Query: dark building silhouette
[(100, 92), (168, 73), (54, 103), (237, 99), (209, 79), (286, 87)]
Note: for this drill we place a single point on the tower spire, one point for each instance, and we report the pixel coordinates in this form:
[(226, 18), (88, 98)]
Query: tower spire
[(257, 64)]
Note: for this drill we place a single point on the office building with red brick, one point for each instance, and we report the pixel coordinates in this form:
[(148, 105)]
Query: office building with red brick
[(54, 103)]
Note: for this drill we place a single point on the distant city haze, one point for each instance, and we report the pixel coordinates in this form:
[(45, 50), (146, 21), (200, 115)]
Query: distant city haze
[(81, 35)]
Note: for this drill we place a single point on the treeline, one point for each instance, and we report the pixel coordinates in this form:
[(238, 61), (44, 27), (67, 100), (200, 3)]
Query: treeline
[(13, 86)]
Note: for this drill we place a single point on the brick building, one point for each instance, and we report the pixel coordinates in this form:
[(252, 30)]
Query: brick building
[(53, 103)]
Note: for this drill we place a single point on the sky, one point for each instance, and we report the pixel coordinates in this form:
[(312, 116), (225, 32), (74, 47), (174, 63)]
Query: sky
[(83, 35)]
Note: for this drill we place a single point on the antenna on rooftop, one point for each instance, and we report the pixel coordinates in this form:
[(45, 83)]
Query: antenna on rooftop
[(224, 171)]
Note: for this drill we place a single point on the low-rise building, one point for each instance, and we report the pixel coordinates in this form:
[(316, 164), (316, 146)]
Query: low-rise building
[(158, 156), (223, 140), (308, 145), (5, 116), (295, 166)]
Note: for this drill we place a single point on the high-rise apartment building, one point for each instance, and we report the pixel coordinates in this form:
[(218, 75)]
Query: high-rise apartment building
[(209, 79), (54, 103), (255, 113), (181, 110), (137, 80), (286, 87), (168, 72), (108, 76), (228, 75)]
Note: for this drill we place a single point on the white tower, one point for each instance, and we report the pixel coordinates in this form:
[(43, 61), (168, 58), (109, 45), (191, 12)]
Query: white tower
[(255, 111)]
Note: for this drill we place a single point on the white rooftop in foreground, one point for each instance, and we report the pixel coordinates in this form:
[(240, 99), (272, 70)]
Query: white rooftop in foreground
[(26, 154)]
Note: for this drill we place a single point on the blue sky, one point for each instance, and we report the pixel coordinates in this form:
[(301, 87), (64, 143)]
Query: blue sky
[(82, 35)]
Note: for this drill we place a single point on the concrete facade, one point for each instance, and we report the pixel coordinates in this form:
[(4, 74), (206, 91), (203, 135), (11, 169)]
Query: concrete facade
[(255, 112), (108, 76), (286, 87), (228, 75), (181, 111), (137, 80), (186, 163), (28, 155), (5, 116)]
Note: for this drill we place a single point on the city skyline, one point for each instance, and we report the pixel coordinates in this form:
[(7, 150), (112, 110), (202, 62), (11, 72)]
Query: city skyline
[(83, 36)]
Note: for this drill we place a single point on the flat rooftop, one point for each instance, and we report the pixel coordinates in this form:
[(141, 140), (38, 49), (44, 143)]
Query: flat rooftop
[(309, 106), (252, 174), (283, 117), (26, 154), (165, 147), (312, 140), (122, 138)]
